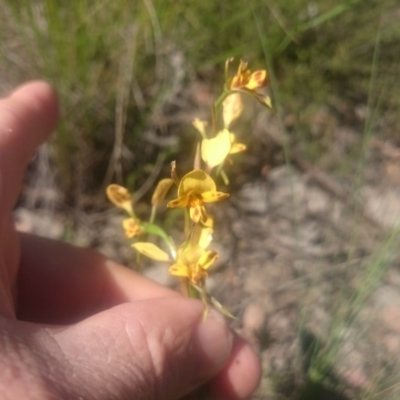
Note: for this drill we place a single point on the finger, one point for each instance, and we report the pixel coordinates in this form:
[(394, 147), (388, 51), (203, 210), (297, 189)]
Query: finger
[(27, 117), (66, 284), (240, 376), (60, 283), (154, 349)]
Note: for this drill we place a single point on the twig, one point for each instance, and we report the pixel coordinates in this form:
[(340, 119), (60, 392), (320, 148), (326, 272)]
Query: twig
[(126, 76), (147, 185)]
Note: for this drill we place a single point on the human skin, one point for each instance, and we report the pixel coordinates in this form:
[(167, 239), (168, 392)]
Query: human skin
[(75, 325)]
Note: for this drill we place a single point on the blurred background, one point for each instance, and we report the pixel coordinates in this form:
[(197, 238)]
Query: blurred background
[(321, 173)]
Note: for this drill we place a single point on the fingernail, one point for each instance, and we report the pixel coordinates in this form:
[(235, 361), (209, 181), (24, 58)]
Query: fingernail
[(213, 339)]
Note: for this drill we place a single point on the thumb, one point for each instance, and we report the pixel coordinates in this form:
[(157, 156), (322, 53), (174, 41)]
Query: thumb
[(27, 117), (152, 349)]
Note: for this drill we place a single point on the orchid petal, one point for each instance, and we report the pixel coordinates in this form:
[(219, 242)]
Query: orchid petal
[(232, 108), (120, 197), (196, 181), (161, 191), (237, 148), (152, 251), (257, 79), (215, 150), (207, 259), (180, 202), (212, 197), (180, 270), (196, 213)]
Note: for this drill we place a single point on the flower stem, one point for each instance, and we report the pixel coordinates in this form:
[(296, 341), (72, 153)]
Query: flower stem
[(221, 99)]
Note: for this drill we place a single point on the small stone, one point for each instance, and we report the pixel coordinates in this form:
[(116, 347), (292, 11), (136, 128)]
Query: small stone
[(383, 205), (393, 171), (390, 316), (252, 198), (356, 378), (393, 277), (317, 201), (253, 317), (391, 342)]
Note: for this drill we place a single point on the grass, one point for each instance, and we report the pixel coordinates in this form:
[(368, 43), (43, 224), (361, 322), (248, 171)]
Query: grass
[(92, 54), (320, 356), (124, 68)]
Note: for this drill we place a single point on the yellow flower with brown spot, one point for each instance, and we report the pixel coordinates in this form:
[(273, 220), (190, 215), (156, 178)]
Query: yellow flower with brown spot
[(195, 189), (247, 81), (120, 197), (193, 263), (131, 228)]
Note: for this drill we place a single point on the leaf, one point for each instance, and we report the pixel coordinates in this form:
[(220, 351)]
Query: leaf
[(223, 310), (152, 229)]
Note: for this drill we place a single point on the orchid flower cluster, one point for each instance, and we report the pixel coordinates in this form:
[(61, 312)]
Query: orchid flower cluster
[(191, 260)]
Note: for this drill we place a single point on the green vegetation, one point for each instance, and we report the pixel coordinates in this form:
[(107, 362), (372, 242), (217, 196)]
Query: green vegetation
[(118, 64)]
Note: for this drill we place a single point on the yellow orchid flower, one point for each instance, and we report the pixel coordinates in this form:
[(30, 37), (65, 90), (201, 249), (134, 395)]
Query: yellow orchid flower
[(131, 228), (195, 189), (192, 260), (120, 197), (247, 81), (193, 263)]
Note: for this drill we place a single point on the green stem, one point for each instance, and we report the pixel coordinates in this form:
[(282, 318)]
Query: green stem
[(153, 214), (221, 99), (193, 293), (216, 106), (153, 229)]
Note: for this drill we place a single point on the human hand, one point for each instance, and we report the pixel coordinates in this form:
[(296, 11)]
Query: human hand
[(74, 325)]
